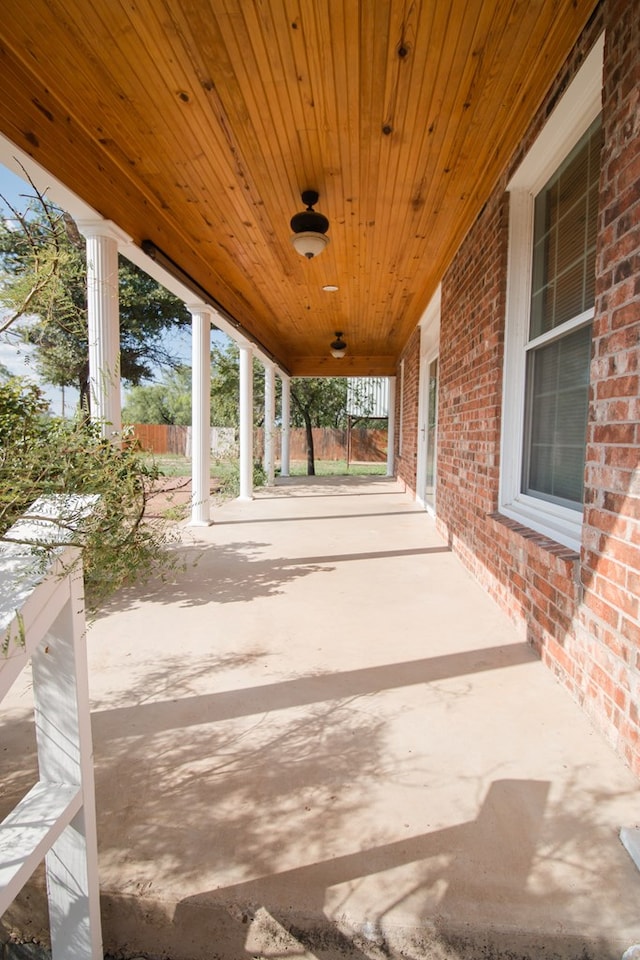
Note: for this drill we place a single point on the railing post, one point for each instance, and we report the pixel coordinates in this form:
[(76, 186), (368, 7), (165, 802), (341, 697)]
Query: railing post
[(42, 618), (63, 735)]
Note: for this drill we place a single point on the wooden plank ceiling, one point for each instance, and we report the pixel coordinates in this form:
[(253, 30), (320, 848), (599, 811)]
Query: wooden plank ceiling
[(196, 124)]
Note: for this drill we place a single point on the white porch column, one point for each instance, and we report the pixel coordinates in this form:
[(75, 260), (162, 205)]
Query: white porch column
[(269, 422), (103, 322), (286, 427), (200, 415), (391, 428), (246, 422)]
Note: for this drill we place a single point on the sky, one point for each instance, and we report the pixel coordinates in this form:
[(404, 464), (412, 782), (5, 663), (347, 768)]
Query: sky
[(20, 359)]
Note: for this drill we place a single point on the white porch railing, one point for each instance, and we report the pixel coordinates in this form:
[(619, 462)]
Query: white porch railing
[(42, 619)]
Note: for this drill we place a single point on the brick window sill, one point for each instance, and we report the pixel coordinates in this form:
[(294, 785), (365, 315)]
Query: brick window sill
[(537, 539)]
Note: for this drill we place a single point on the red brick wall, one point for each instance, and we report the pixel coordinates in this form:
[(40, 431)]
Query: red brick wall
[(472, 336), (407, 447), (580, 613), (609, 625)]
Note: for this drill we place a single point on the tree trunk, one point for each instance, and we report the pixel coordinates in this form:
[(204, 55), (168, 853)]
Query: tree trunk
[(311, 464), (85, 399)]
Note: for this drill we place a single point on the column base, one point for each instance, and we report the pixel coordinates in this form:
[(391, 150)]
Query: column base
[(630, 838)]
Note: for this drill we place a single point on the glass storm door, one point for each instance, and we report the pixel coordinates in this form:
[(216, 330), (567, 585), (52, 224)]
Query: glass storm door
[(432, 419)]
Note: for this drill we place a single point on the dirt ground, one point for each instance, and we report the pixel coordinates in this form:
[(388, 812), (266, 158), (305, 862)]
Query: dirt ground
[(171, 497)]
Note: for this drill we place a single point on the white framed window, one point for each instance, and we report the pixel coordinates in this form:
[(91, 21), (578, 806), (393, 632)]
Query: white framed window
[(550, 300)]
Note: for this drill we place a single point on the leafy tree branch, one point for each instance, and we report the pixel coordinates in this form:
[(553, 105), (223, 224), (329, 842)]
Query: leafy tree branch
[(48, 456), (43, 281)]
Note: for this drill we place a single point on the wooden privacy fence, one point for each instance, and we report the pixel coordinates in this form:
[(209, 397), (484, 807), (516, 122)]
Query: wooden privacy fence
[(367, 446), (161, 437)]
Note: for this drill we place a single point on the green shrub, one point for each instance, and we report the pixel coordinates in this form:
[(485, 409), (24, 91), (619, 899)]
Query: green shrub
[(42, 455), (227, 471)]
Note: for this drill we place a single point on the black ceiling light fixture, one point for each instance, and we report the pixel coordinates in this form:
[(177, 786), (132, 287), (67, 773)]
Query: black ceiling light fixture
[(309, 228), (338, 347)]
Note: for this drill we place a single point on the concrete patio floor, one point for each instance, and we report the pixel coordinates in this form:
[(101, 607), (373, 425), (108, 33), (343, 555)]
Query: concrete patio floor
[(323, 740)]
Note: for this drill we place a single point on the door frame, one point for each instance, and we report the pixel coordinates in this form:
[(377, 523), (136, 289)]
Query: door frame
[(429, 350)]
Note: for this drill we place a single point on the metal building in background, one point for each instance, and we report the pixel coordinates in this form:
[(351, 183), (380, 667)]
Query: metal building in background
[(368, 397)]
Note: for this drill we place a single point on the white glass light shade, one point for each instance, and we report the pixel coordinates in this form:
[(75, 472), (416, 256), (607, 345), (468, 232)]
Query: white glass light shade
[(309, 244), (338, 347)]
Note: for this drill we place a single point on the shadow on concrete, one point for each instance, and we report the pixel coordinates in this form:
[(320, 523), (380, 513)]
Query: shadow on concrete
[(324, 815), (239, 573), (223, 573), (322, 516), (265, 784), (447, 874), (302, 691), (230, 777), (329, 493), (487, 858), (374, 555), (182, 710)]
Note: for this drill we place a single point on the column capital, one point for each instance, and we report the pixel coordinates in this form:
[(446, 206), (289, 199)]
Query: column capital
[(198, 307), (103, 228)]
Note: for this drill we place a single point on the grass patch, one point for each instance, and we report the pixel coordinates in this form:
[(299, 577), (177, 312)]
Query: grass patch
[(176, 465), (171, 464), (226, 471), (338, 468)]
